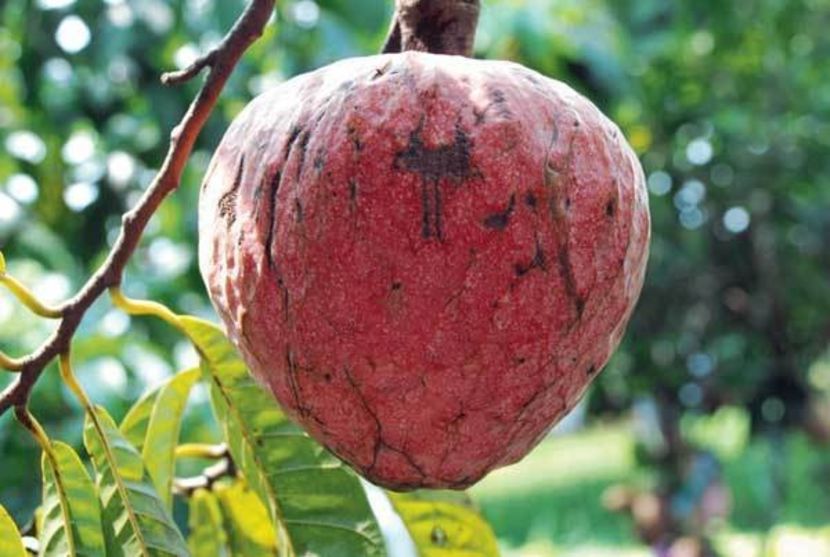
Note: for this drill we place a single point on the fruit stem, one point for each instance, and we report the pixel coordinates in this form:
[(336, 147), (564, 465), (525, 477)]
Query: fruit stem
[(437, 26)]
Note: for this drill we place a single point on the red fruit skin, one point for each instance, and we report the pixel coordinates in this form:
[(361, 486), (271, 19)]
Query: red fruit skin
[(426, 258)]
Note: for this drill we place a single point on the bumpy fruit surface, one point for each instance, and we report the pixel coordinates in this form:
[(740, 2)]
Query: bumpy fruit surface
[(426, 258)]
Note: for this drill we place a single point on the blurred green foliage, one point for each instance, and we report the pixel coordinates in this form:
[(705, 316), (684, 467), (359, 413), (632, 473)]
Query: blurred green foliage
[(728, 104)]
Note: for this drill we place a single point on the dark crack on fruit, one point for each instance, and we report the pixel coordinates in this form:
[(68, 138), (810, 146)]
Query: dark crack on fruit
[(567, 273), (298, 211), (354, 137), (293, 135), (291, 366), (304, 139), (227, 203), (284, 296), (272, 212), (365, 405), (538, 261)]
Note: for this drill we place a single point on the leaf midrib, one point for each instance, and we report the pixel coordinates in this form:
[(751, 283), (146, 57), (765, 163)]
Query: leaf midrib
[(62, 500), (122, 490), (250, 446)]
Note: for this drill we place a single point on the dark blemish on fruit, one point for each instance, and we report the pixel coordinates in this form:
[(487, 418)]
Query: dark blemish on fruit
[(531, 201), (499, 221), (498, 102), (610, 208), (298, 211), (529, 77), (320, 160), (433, 164), (591, 370), (445, 161), (327, 377), (396, 286), (381, 70)]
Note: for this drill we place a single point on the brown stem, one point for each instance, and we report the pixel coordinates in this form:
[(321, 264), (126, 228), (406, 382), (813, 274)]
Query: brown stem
[(221, 61), (437, 26)]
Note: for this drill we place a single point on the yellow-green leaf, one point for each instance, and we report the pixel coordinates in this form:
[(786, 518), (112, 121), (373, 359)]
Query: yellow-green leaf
[(153, 424), (445, 524), (250, 532), (11, 545), (316, 502), (71, 522), (207, 533), (135, 520)]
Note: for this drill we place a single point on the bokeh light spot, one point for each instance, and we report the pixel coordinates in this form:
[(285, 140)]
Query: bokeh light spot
[(72, 34)]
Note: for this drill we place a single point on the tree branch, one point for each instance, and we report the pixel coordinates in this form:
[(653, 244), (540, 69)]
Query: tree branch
[(224, 468), (222, 60), (437, 26), (188, 73)]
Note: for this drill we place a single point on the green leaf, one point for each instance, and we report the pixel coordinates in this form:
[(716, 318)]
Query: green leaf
[(317, 502), (207, 534), (250, 532), (71, 523), (11, 545), (135, 519), (445, 524), (153, 424)]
